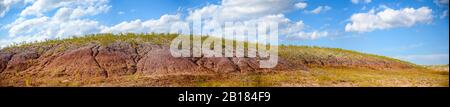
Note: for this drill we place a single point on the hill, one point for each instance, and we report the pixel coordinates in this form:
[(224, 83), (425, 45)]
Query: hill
[(145, 60)]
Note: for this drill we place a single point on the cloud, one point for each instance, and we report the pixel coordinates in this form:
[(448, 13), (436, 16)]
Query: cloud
[(24, 26), (239, 10), (444, 14), (441, 2), (50, 28), (426, 59), (309, 35), (161, 25), (36, 22), (5, 5), (66, 13), (254, 11), (389, 18), (68, 20), (360, 1), (301, 5), (120, 12), (319, 9), (42, 28), (131, 26), (80, 7)]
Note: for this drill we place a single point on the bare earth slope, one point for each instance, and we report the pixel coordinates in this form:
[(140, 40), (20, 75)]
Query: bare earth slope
[(115, 56)]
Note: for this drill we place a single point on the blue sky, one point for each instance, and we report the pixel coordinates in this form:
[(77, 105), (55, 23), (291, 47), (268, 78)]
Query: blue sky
[(412, 30)]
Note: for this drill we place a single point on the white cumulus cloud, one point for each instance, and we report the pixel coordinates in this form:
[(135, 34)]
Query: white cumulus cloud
[(360, 1), (388, 18), (80, 7), (238, 10), (319, 9), (310, 35), (161, 25), (301, 5), (34, 24), (5, 5)]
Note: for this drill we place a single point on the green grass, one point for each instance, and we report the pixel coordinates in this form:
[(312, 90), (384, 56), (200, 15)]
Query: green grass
[(294, 53), (102, 39)]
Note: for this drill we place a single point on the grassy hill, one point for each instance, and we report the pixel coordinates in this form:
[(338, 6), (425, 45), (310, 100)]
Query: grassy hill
[(141, 60)]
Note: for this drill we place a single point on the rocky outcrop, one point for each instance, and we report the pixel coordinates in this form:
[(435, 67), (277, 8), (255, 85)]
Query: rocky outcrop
[(4, 59), (125, 58), (159, 60), (118, 59)]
